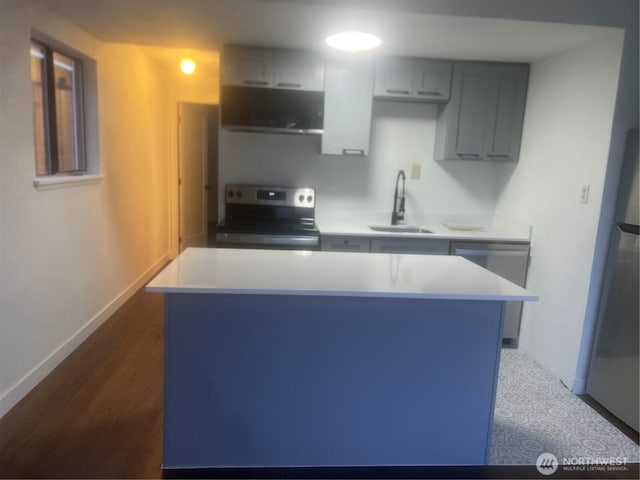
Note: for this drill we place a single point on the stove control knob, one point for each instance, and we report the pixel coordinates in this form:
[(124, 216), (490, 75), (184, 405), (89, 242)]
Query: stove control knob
[(309, 198), (301, 198), (231, 194), (239, 194)]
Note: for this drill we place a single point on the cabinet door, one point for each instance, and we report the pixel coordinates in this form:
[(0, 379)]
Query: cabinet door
[(348, 101), (483, 120), (298, 70), (394, 78), (469, 108), (506, 100), (345, 244), (247, 66), (432, 80), (410, 246)]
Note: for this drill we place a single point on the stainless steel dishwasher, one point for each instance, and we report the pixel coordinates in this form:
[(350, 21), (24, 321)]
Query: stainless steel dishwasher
[(510, 261)]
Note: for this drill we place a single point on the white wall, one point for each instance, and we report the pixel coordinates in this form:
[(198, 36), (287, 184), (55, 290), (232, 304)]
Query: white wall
[(401, 134), (70, 256), (565, 145)]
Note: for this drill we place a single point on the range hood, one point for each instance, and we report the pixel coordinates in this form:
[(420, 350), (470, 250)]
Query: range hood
[(271, 110)]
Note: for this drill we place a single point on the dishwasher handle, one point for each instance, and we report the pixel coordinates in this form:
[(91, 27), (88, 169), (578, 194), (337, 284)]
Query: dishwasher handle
[(492, 253)]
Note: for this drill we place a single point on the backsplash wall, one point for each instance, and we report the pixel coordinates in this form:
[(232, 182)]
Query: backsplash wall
[(402, 134)]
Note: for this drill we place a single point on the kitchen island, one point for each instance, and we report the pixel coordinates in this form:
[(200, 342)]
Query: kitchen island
[(317, 359)]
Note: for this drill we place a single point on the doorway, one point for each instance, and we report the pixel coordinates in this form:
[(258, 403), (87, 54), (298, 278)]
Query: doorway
[(197, 174)]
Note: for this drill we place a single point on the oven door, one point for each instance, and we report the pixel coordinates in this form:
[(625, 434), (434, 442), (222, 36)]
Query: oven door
[(276, 238), (267, 240)]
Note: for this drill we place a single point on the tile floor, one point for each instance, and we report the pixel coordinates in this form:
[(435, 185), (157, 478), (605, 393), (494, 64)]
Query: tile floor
[(535, 414)]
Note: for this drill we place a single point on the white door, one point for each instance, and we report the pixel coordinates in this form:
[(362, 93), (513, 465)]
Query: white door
[(193, 148)]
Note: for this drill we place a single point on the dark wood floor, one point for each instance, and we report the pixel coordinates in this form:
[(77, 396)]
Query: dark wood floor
[(89, 418)]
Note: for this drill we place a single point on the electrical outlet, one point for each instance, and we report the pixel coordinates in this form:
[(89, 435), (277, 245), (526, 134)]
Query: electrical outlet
[(415, 171), (584, 194)]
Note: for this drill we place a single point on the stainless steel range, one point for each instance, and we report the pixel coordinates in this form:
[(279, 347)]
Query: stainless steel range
[(269, 217)]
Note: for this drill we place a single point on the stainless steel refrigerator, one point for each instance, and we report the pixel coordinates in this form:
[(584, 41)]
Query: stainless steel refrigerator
[(613, 371)]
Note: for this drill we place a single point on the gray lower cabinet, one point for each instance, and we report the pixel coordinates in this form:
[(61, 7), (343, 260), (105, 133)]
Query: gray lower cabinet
[(483, 119), (510, 261), (338, 243), (426, 246)]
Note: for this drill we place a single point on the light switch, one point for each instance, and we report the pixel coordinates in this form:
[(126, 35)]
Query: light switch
[(584, 194), (415, 171)]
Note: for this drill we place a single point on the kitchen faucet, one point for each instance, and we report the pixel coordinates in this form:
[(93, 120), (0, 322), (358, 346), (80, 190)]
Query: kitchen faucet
[(398, 201)]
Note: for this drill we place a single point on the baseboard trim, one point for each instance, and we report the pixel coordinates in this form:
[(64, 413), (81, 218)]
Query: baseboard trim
[(22, 387), (580, 386)]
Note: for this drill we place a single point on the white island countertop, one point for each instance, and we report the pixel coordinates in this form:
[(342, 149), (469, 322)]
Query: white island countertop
[(285, 272)]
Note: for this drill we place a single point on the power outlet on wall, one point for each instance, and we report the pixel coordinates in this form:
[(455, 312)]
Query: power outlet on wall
[(414, 172)]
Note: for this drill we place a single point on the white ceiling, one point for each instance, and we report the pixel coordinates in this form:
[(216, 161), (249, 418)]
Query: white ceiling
[(207, 24)]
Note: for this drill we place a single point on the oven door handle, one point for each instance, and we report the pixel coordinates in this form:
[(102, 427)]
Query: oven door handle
[(248, 239)]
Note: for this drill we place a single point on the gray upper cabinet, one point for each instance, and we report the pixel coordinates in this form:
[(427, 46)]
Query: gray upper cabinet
[(483, 119), (348, 102), (432, 80), (272, 68), (413, 79), (507, 94), (394, 78), (299, 70), (247, 66)]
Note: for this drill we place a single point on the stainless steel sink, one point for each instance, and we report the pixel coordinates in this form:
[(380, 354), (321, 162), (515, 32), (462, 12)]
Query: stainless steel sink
[(398, 229)]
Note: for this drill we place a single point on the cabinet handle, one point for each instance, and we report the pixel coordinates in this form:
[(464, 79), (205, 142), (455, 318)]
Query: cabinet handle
[(430, 94), (398, 92), (256, 82), (497, 155), (352, 151), (469, 155), (289, 85)]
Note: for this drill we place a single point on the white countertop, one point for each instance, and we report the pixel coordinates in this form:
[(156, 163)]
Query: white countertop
[(285, 272), (496, 229)]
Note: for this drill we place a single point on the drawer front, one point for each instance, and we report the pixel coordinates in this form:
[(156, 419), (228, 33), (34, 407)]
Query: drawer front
[(411, 246), (345, 244)]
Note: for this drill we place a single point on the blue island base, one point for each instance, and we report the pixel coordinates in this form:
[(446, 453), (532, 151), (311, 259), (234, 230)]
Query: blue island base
[(256, 381)]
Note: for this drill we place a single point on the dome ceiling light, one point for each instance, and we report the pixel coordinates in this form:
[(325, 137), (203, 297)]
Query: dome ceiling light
[(353, 41), (188, 66)]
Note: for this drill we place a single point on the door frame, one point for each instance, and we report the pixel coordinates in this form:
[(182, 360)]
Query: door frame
[(174, 170)]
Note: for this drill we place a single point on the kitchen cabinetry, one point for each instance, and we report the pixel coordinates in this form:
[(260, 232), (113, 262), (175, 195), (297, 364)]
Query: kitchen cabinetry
[(272, 68), (348, 102), (345, 244), (510, 261), (413, 79), (483, 119), (427, 246)]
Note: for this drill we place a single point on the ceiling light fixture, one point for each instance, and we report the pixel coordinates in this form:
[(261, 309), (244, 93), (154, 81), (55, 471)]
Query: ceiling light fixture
[(353, 41), (188, 66)]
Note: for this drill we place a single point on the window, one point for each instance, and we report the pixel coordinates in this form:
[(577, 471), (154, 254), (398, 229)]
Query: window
[(58, 119)]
